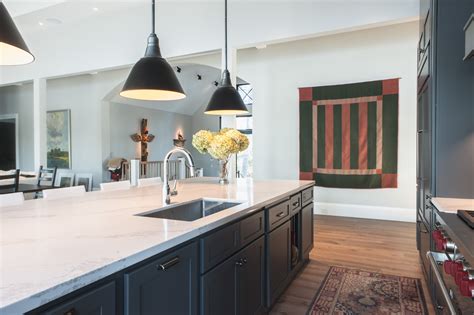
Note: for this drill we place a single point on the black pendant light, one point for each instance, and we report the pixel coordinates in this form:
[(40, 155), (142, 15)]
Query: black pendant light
[(13, 49), (226, 100), (152, 78)]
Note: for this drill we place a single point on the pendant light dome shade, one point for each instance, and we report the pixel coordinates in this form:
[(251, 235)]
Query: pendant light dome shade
[(152, 78), (226, 99), (13, 49)]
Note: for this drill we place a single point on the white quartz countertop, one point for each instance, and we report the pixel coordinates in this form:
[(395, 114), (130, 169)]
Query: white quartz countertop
[(49, 248), (452, 204)]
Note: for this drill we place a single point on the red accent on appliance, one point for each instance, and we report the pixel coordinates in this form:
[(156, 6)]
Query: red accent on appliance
[(455, 267), (437, 234), (445, 243), (466, 287), (460, 274), (438, 238), (447, 266)]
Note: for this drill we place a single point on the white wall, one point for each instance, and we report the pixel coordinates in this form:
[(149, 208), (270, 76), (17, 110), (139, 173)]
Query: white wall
[(18, 99), (125, 120), (276, 73), (83, 95)]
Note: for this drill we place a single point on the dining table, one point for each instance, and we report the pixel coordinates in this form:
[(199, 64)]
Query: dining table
[(27, 188)]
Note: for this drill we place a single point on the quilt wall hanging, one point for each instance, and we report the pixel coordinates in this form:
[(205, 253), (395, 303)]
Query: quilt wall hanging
[(349, 134)]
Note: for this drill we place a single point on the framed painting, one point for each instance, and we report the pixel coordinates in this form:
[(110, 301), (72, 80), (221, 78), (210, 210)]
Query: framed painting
[(58, 135)]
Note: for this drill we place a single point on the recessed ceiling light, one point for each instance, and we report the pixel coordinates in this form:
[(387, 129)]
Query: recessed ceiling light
[(53, 21), (95, 9), (41, 23)]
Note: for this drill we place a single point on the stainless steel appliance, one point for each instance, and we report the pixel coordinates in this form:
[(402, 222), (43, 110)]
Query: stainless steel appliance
[(452, 275)]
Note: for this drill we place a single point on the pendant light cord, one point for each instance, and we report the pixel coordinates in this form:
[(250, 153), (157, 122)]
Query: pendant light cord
[(153, 16), (225, 47)]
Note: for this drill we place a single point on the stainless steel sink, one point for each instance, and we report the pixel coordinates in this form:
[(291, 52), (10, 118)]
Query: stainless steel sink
[(190, 211)]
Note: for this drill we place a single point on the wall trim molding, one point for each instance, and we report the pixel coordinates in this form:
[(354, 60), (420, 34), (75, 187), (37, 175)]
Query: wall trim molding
[(365, 211)]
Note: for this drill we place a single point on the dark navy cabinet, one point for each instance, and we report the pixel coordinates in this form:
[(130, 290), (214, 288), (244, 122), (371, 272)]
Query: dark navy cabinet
[(236, 286), (167, 285), (251, 279), (100, 301), (240, 268), (279, 261), (307, 229), (445, 111)]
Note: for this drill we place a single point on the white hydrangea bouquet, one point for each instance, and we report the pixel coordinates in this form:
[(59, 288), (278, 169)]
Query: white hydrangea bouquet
[(221, 145)]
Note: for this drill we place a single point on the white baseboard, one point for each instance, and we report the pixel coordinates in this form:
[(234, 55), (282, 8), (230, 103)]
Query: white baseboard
[(366, 212)]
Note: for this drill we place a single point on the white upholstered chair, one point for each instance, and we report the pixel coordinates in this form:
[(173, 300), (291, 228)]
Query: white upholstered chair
[(64, 192), (121, 185), (142, 182), (12, 199)]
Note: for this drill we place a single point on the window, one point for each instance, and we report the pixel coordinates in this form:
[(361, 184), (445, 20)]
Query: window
[(246, 93), (244, 124)]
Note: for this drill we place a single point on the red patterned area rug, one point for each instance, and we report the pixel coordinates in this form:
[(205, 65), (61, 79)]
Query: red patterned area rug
[(352, 291)]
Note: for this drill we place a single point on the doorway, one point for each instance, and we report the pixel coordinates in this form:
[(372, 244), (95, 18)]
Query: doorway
[(9, 142)]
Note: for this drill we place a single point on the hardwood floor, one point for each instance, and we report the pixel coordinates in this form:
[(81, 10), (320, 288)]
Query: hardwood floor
[(381, 246)]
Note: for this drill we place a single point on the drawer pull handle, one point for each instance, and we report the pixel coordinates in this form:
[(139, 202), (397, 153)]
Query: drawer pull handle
[(72, 311), (296, 204), (167, 265), (280, 214)]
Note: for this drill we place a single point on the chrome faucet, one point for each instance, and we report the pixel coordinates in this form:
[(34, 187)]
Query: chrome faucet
[(166, 187)]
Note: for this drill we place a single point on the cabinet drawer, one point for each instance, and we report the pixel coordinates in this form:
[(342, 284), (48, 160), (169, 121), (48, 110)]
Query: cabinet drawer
[(307, 196), (219, 245), (295, 203), (251, 228), (166, 285), (278, 214), (98, 301)]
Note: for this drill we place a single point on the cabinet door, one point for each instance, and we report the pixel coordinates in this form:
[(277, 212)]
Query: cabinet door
[(167, 285), (250, 278), (307, 229), (424, 150), (100, 301), (279, 261), (219, 289), (424, 244)]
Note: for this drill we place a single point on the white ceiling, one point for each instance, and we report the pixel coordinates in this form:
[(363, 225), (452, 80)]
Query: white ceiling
[(37, 15), (22, 7)]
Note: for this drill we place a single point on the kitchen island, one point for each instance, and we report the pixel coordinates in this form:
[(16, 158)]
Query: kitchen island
[(55, 251)]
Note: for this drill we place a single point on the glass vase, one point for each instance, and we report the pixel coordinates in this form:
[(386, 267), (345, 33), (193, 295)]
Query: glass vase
[(223, 172)]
